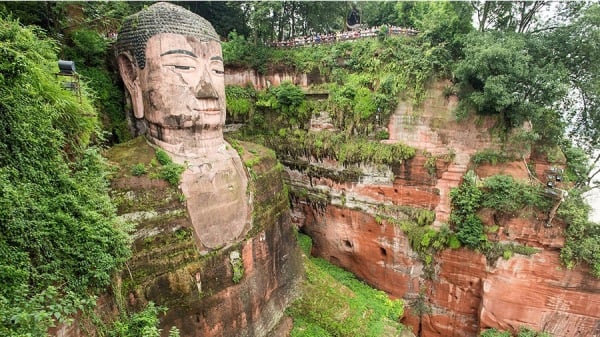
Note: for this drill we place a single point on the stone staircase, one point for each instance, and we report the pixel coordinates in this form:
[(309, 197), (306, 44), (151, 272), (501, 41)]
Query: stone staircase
[(450, 179)]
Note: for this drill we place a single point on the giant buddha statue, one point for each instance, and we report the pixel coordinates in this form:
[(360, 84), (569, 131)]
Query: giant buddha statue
[(171, 63), (216, 248)]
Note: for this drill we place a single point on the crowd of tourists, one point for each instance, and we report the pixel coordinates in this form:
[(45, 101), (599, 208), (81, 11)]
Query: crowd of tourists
[(344, 36)]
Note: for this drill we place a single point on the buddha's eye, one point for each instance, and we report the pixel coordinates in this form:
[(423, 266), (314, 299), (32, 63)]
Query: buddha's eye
[(180, 68), (217, 67)]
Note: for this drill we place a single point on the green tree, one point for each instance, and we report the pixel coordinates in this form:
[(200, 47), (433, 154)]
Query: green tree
[(225, 16), (443, 23), (576, 45), (503, 73), (377, 13), (321, 17), (515, 16), (263, 18)]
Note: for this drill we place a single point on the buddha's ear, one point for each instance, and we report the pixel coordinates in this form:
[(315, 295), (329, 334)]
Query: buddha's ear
[(130, 75)]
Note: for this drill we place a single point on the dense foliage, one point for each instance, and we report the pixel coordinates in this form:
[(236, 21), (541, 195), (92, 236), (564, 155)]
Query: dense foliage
[(90, 51), (501, 73), (58, 239), (582, 235), (500, 193), (347, 150), (527, 69), (139, 324), (335, 303)]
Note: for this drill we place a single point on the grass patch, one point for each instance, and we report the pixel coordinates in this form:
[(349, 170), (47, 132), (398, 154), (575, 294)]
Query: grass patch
[(335, 303)]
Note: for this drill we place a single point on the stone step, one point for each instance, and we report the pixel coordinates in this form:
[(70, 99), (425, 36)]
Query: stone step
[(457, 168), (452, 176)]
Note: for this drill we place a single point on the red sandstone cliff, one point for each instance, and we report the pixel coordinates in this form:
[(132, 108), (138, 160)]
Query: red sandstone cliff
[(466, 293)]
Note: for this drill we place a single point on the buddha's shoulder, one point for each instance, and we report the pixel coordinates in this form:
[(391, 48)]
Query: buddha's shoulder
[(135, 167), (137, 155), (134, 151)]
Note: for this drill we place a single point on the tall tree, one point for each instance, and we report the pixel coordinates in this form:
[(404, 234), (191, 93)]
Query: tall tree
[(501, 74), (263, 19), (225, 16), (321, 16), (377, 13), (517, 16), (577, 46), (443, 23)]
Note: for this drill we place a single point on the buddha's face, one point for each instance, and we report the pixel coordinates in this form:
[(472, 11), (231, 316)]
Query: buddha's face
[(183, 86)]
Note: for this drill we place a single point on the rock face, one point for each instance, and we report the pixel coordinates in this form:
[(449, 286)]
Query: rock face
[(242, 77), (462, 292), (239, 290)]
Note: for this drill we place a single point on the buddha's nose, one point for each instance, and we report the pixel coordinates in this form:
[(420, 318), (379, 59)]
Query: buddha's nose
[(205, 89)]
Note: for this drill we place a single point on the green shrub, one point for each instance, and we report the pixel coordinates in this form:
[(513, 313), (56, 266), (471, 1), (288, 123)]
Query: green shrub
[(495, 333), (470, 231), (345, 149), (138, 169), (140, 324), (171, 173), (237, 266), (507, 195), (168, 170), (582, 236), (382, 135), (454, 242), (466, 199), (489, 156), (523, 332), (163, 157), (240, 102), (287, 102)]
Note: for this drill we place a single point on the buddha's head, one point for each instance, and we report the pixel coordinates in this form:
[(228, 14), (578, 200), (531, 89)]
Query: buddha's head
[(171, 62)]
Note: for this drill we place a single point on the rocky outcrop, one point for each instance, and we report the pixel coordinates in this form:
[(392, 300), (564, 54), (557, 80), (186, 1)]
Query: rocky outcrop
[(243, 77), (463, 291), (466, 294), (238, 290)]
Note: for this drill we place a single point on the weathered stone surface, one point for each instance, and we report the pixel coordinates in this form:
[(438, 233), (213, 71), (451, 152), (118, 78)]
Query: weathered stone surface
[(200, 288), (466, 293), (243, 77), (378, 253), (515, 169), (455, 294), (535, 291)]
